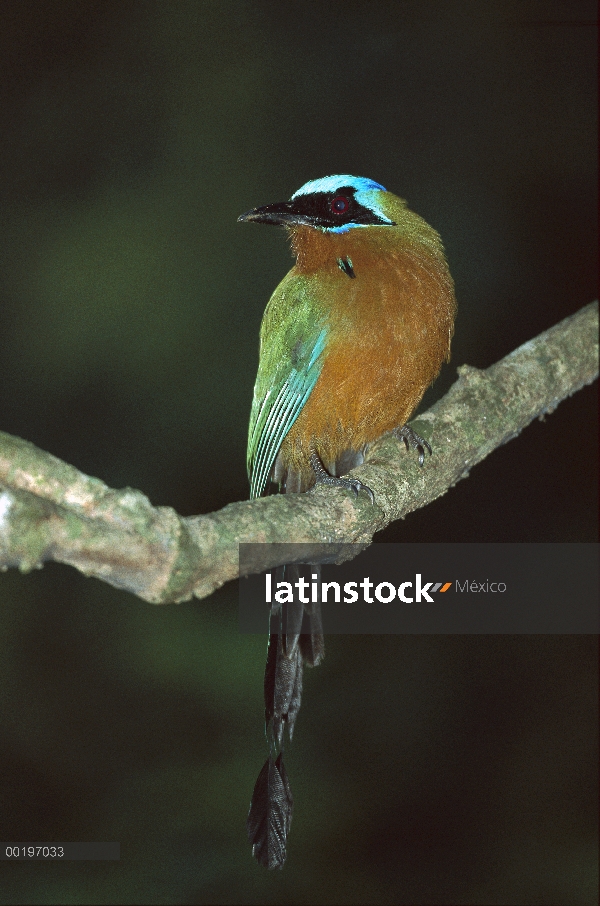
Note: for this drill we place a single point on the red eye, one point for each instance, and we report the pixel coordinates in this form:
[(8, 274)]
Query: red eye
[(340, 204)]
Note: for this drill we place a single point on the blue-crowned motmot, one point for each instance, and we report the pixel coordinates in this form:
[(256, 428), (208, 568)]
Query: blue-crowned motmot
[(350, 340)]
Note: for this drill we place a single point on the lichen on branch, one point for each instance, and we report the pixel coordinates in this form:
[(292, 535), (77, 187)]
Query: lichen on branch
[(51, 511)]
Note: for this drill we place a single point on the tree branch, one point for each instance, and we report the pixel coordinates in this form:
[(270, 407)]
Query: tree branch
[(51, 511)]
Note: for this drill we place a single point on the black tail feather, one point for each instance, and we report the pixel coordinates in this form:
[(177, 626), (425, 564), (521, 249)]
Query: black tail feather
[(296, 638), (270, 814)]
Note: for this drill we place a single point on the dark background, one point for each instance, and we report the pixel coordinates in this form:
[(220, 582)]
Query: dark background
[(425, 769)]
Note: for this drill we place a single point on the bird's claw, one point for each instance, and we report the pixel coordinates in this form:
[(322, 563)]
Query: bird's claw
[(355, 485), (413, 441), (350, 484)]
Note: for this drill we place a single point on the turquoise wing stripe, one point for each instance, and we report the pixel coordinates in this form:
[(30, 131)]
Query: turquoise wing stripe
[(318, 349), (277, 412)]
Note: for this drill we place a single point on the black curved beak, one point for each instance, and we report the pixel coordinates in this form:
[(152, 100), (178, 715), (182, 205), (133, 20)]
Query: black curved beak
[(282, 213)]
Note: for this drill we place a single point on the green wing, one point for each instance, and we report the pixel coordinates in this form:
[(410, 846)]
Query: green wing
[(291, 359)]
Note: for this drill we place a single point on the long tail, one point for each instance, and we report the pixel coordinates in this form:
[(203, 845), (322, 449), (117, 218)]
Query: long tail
[(296, 638)]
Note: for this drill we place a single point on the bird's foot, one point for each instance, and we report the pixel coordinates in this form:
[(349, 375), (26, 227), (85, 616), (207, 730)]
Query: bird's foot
[(412, 441), (350, 484)]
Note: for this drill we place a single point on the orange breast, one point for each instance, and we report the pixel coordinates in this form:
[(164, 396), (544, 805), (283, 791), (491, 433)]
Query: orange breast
[(389, 332)]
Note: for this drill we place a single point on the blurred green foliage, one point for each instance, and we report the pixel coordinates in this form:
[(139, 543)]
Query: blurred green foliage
[(424, 769)]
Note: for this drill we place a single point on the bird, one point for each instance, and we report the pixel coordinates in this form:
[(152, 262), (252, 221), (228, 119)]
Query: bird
[(349, 342)]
